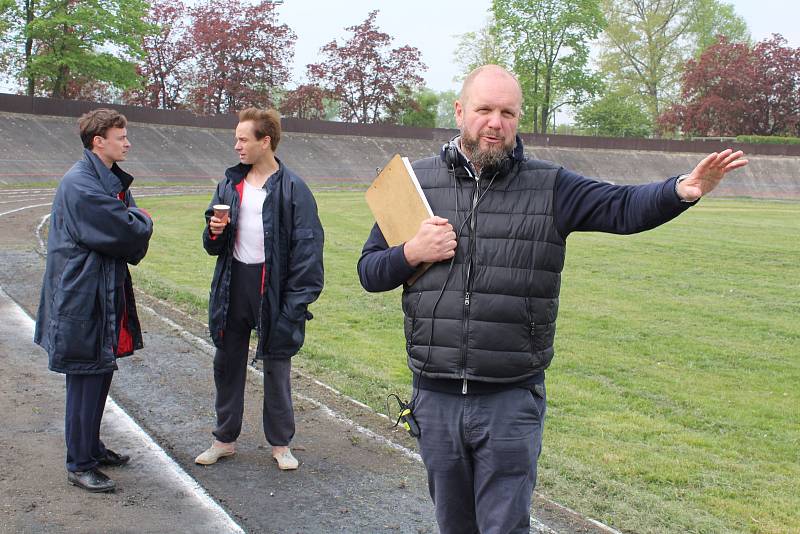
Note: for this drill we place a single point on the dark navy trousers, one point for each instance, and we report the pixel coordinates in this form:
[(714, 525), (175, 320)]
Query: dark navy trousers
[(480, 452), (230, 366), (86, 399)]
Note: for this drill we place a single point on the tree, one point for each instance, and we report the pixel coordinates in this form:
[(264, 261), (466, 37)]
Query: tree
[(549, 40), (364, 75), (416, 109), (645, 47), (735, 89), (711, 19), (64, 47), (647, 43), (615, 114), (7, 11), (779, 69), (167, 53), (307, 101), (445, 111), (484, 47), (242, 54)]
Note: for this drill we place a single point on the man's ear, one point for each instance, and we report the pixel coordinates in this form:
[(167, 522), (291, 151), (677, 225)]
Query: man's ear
[(97, 141), (268, 140), (459, 112)]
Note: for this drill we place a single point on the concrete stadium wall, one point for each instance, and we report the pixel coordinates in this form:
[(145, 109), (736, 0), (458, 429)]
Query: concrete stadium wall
[(39, 148)]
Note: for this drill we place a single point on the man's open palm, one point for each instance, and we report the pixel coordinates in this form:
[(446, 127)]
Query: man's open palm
[(709, 173)]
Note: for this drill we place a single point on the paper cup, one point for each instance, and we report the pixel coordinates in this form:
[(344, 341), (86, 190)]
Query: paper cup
[(221, 211)]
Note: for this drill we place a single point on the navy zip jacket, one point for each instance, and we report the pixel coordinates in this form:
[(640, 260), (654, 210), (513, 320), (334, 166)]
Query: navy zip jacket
[(293, 274), (95, 231), (495, 315)]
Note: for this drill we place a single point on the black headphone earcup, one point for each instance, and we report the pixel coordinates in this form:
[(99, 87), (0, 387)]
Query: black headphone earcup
[(451, 155)]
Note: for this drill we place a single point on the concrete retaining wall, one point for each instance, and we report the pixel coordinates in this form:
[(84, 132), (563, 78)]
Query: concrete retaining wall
[(38, 148)]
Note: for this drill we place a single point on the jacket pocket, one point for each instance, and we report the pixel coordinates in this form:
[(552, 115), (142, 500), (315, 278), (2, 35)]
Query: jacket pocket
[(288, 336), (77, 339), (302, 233)]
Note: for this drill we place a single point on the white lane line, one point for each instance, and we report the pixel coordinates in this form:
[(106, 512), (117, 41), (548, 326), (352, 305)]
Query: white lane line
[(210, 349), (28, 191), (26, 199), (537, 526), (42, 245), (301, 373), (25, 208), (171, 469), (540, 527)]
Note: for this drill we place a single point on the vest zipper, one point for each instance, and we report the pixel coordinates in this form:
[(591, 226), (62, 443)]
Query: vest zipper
[(465, 321)]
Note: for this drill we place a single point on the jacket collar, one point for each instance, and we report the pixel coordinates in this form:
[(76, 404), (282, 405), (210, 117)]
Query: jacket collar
[(114, 180), (237, 173)]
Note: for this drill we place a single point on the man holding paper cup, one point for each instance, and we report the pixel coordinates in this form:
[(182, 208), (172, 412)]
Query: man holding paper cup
[(262, 225)]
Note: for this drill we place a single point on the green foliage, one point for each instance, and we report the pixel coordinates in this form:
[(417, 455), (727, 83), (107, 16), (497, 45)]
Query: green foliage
[(645, 48), (647, 43), (484, 47), (445, 111), (674, 386), (71, 45), (712, 18), (7, 7), (768, 140), (615, 114), (420, 109), (550, 44), (9, 36)]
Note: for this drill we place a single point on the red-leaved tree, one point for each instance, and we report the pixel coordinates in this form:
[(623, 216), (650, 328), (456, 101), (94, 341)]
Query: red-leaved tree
[(242, 54), (779, 68), (735, 89), (304, 102), (167, 53), (364, 74)]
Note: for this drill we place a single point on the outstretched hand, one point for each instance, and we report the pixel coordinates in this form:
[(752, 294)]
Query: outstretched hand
[(709, 173)]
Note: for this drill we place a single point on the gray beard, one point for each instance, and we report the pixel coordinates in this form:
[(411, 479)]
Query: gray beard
[(492, 157)]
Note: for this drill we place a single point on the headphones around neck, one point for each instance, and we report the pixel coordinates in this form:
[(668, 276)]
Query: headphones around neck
[(450, 154)]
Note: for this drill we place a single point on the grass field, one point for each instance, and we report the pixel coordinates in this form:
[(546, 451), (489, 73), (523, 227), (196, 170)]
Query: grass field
[(674, 396)]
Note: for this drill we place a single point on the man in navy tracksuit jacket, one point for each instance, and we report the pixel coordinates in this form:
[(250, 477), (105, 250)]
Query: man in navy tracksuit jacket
[(87, 314), (269, 270), (480, 323)]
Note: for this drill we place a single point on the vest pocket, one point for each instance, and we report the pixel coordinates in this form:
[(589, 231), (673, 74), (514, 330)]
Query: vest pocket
[(411, 322), (540, 334)]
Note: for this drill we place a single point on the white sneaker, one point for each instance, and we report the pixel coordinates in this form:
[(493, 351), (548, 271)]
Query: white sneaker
[(286, 460), (214, 453)]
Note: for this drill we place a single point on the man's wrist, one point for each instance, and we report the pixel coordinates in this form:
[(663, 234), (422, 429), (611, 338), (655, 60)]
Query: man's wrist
[(681, 178), (409, 256)]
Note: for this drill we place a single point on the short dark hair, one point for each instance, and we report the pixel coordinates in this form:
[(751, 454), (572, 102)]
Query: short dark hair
[(98, 122), (266, 122)]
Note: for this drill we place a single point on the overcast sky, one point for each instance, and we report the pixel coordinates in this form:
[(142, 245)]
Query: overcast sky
[(433, 26)]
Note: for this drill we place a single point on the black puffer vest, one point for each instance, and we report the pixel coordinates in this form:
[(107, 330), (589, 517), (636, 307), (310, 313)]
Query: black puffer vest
[(496, 319)]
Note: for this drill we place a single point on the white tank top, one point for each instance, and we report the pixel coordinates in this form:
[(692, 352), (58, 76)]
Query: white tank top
[(249, 246)]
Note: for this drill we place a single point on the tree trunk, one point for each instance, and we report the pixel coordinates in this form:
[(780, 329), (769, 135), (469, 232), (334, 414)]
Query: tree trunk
[(29, 7)]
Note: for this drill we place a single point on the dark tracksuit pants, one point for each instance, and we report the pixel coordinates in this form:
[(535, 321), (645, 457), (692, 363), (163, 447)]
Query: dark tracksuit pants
[(85, 401), (230, 366), (480, 452)]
